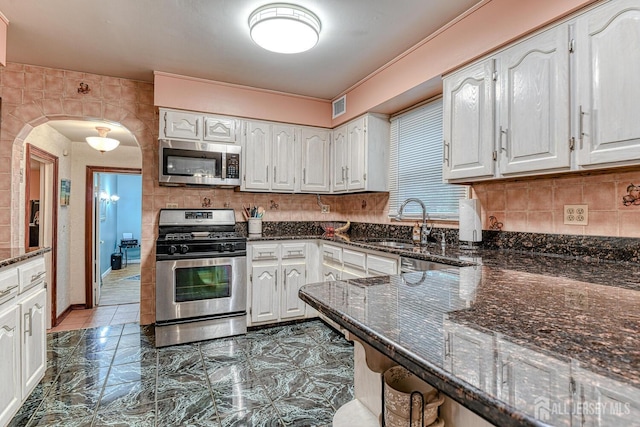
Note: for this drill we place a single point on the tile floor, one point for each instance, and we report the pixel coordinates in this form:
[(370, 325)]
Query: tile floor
[(296, 375), (99, 316)]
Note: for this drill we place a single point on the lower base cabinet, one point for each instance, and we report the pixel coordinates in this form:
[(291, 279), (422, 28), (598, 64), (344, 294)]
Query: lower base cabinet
[(22, 334)]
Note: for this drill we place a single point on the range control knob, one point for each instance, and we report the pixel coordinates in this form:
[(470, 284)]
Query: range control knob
[(230, 247), (172, 249), (184, 249)]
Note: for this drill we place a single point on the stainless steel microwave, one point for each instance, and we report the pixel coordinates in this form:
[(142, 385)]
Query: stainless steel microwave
[(199, 163)]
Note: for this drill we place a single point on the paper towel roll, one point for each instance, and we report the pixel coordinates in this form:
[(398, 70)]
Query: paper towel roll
[(470, 223)]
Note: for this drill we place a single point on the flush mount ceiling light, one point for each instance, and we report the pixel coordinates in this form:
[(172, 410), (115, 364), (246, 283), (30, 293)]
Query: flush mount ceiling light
[(284, 28), (102, 143)]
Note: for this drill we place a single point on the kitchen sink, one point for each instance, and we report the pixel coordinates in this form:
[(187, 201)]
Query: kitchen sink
[(397, 244)]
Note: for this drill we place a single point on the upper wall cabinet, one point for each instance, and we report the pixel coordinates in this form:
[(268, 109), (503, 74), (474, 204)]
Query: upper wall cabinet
[(360, 150), (190, 126), (315, 160), (608, 84), (270, 156), (469, 99), (534, 126)]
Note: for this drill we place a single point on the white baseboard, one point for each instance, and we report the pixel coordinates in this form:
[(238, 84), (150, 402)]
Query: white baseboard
[(106, 272)]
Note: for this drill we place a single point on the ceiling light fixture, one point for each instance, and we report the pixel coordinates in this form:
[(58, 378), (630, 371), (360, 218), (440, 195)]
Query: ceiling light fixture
[(284, 28), (102, 143)]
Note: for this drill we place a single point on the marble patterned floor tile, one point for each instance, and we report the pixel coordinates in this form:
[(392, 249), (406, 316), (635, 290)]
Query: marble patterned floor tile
[(176, 385), (103, 331), (290, 384), (305, 354), (147, 356), (323, 335), (71, 381), (104, 357), (263, 416), (139, 416), (239, 397), (229, 351), (131, 372), (94, 345), (67, 406), (134, 340), (304, 412), (128, 395), (195, 409), (228, 373), (25, 412), (187, 363), (54, 420)]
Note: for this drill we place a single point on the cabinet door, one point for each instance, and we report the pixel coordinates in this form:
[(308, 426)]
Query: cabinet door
[(468, 354), (221, 129), (34, 332), (264, 293), (534, 125), (381, 266), (315, 160), (357, 155), (607, 40), (339, 159), (293, 278), (257, 156), (283, 158), (330, 273), (469, 122), (10, 396), (182, 125)]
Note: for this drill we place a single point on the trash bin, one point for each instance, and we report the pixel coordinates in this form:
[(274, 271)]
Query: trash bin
[(116, 261), (409, 401)]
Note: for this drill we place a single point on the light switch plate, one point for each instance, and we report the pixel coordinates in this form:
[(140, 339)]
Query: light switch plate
[(576, 214), (326, 209)]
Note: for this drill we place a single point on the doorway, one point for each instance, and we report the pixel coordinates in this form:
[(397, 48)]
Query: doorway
[(113, 227), (41, 216)]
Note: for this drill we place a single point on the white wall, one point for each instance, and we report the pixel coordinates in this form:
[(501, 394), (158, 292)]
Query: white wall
[(49, 140), (83, 155)]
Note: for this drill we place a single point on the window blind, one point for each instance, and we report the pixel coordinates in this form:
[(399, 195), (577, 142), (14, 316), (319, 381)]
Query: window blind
[(415, 165)]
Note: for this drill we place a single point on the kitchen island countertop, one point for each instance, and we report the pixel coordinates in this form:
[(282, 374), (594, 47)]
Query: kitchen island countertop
[(518, 338)]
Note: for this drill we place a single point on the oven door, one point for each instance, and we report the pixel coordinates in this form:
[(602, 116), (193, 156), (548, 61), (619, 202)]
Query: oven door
[(207, 287)]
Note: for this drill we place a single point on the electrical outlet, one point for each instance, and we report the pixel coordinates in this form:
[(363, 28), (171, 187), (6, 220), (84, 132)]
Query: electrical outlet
[(576, 214), (576, 298), (326, 209), (172, 205)]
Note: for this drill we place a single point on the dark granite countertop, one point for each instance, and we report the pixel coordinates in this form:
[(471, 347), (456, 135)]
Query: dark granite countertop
[(520, 339), (9, 256)]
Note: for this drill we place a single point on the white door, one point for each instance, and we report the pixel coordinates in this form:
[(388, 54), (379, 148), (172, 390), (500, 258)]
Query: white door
[(534, 125), (607, 46), (357, 156), (283, 158), (257, 156), (34, 330), (264, 293), (339, 159), (468, 109), (315, 160), (293, 278), (10, 396)]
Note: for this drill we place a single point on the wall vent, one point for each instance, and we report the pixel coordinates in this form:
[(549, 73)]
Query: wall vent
[(339, 106)]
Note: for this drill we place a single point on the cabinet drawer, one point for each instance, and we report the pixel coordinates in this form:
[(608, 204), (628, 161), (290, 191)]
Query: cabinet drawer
[(261, 252), (31, 274), (9, 283), (294, 250), (354, 259), (381, 265), (331, 254)]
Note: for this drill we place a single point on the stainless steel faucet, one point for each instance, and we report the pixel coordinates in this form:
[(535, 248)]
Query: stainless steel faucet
[(425, 230)]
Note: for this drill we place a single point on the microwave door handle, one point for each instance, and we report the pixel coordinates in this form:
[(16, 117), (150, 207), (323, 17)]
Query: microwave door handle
[(223, 172)]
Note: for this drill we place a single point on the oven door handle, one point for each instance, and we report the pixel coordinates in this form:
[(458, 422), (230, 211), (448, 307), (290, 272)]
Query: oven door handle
[(276, 280)]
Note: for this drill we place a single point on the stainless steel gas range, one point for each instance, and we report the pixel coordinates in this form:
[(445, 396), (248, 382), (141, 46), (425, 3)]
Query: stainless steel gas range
[(201, 287)]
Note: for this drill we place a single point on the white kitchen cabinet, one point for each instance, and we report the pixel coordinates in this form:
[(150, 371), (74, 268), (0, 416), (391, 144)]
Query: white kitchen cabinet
[(270, 154), (341, 262), (264, 293), (221, 129), (378, 265), (284, 155), (277, 270), (23, 315), (315, 160), (34, 331), (608, 84), (180, 125), (256, 154), (360, 150), (534, 125), (11, 394), (330, 273), (468, 116)]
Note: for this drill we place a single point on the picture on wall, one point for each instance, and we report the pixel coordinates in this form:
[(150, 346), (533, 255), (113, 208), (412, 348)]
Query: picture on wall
[(65, 191)]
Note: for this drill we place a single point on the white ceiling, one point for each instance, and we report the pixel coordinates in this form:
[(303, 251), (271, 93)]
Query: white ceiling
[(77, 130), (210, 39)]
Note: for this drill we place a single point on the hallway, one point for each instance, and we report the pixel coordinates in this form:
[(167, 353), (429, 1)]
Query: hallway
[(119, 302)]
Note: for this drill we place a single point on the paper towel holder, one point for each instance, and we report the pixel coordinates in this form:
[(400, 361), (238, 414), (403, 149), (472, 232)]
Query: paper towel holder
[(470, 228)]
